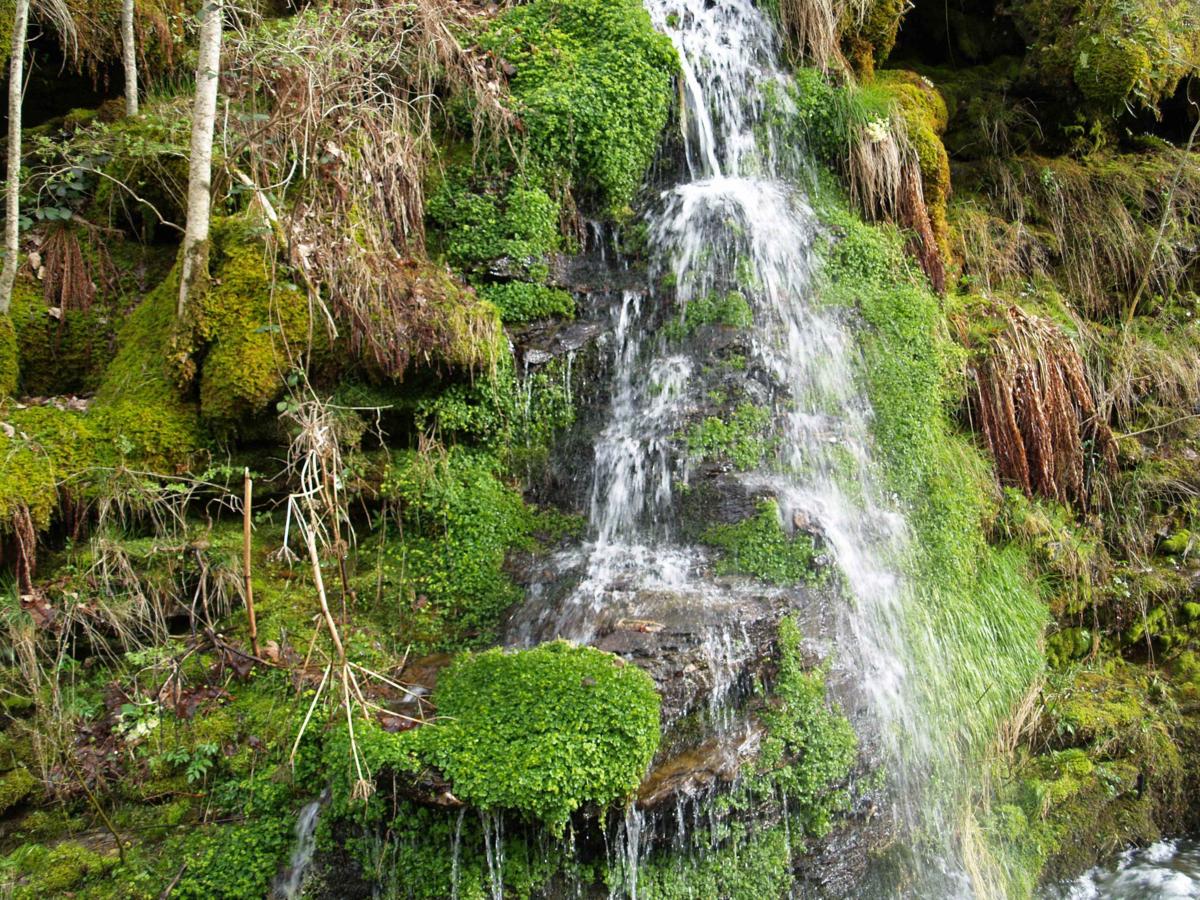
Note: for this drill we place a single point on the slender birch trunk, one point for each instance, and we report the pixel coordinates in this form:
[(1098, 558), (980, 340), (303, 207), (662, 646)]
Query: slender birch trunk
[(129, 56), (204, 115), (12, 198)]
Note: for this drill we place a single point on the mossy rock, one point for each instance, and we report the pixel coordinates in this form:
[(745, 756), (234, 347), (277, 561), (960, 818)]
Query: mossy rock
[(1114, 52), (140, 407), (53, 872), (925, 116), (254, 330), (9, 362), (50, 453), (15, 786), (867, 39)]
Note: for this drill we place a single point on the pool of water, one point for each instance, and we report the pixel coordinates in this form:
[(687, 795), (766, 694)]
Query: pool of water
[(1168, 869)]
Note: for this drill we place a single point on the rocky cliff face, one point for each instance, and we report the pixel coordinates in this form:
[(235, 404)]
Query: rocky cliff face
[(823, 373)]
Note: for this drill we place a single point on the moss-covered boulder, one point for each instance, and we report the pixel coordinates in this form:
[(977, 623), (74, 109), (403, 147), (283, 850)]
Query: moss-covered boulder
[(1114, 52), (9, 362)]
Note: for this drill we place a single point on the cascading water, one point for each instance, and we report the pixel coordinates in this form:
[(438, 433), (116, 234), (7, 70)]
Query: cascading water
[(289, 883), (740, 221)]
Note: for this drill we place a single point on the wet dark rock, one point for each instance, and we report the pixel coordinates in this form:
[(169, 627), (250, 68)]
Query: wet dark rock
[(699, 770)]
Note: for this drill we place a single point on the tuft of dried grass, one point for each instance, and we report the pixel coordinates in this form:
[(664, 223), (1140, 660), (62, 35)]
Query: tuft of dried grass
[(341, 107), (1037, 412), (813, 29), (884, 177), (1108, 225)]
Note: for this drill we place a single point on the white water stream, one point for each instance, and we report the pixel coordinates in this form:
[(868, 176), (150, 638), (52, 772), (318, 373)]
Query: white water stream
[(741, 221)]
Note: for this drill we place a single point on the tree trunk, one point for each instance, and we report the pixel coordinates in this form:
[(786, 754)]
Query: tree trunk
[(129, 55), (204, 115), (12, 207)]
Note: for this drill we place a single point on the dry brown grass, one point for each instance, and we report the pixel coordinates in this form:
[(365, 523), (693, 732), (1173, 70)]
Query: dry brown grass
[(340, 113), (1037, 412), (884, 177), (813, 29), (1109, 227)]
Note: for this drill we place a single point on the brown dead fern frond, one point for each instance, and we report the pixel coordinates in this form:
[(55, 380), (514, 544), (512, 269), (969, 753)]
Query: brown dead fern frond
[(66, 278), (1037, 411)]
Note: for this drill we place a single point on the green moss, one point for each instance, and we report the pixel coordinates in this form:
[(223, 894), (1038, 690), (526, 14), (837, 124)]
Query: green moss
[(49, 448), (139, 406), (868, 35), (742, 439), (15, 786), (9, 361), (593, 88), (759, 546), (459, 522), (520, 301), (540, 732), (255, 329), (45, 872), (1111, 773)]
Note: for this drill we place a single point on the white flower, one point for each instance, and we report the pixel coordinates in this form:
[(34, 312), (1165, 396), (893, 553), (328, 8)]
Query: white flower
[(877, 130)]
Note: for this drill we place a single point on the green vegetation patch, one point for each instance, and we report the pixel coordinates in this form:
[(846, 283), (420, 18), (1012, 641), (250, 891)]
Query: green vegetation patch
[(520, 301), (971, 598), (593, 87), (731, 309), (742, 439), (540, 732), (759, 546), (459, 521)]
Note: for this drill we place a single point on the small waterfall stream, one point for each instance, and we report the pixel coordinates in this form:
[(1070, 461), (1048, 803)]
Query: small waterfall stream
[(739, 221)]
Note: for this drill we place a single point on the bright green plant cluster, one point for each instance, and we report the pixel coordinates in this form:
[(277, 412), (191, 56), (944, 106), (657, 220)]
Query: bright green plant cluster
[(741, 439), (732, 309), (414, 861), (810, 746), (241, 859), (593, 87), (759, 546), (540, 732), (459, 522), (521, 301), (476, 227), (513, 418), (753, 865)]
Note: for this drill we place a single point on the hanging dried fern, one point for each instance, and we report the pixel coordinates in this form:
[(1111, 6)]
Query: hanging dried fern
[(1037, 411)]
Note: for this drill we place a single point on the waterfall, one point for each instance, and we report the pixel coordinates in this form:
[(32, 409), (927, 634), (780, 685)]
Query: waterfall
[(289, 883), (740, 220)]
